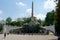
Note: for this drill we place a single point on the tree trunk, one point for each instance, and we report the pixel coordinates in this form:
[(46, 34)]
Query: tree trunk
[(57, 18)]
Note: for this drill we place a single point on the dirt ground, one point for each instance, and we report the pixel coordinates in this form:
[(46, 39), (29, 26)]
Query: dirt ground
[(28, 37)]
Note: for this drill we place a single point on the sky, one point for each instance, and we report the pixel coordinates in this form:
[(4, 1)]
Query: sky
[(22, 8)]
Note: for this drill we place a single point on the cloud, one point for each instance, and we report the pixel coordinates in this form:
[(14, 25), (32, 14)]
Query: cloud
[(1, 11), (40, 16), (29, 10), (49, 4), (20, 4)]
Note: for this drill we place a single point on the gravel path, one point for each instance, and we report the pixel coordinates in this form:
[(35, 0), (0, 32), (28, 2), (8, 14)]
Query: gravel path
[(28, 37)]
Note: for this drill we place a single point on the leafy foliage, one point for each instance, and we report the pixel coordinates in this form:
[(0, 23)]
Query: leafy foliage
[(8, 21), (50, 18), (43, 23), (13, 23), (26, 20)]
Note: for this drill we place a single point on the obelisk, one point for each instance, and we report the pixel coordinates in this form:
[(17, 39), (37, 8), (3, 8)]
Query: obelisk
[(32, 13), (32, 9)]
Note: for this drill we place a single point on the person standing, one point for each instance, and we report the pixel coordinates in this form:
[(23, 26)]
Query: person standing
[(4, 35), (4, 31)]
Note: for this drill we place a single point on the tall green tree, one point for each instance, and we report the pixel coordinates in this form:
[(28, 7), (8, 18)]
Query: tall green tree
[(19, 22), (57, 18), (8, 21), (50, 18)]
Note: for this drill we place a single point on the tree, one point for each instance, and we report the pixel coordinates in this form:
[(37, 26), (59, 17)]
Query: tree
[(13, 23), (43, 23), (19, 22), (27, 20), (57, 18), (50, 18), (8, 21)]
